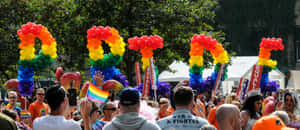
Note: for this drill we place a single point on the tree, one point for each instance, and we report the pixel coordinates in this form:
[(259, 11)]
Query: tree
[(174, 20), (247, 21)]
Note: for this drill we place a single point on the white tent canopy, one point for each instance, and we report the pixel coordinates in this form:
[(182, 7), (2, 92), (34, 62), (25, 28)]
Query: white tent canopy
[(241, 66)]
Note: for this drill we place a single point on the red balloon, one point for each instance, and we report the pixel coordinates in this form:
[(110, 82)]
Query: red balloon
[(68, 77), (59, 73), (84, 89), (11, 84)]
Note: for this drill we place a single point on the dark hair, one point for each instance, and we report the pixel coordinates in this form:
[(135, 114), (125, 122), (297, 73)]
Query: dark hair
[(55, 96), (95, 108), (10, 113), (249, 105), (218, 99), (183, 96)]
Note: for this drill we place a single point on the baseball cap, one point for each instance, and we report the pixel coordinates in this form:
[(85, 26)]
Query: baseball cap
[(129, 96), (270, 122)]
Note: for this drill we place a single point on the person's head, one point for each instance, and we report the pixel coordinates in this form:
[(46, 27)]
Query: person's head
[(253, 104), (183, 97), (40, 95), (95, 112), (290, 101), (208, 127), (25, 117), (108, 109), (283, 116), (57, 99), (219, 100), (163, 103), (129, 100), (228, 117), (12, 114), (12, 98), (76, 116)]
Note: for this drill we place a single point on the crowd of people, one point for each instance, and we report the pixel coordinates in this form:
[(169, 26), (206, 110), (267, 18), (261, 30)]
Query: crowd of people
[(182, 109)]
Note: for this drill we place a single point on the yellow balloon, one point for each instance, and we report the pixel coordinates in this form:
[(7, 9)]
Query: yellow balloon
[(27, 53), (96, 54)]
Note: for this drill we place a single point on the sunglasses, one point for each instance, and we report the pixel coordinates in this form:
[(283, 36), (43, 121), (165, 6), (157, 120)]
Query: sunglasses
[(12, 97), (163, 103), (113, 109), (41, 94)]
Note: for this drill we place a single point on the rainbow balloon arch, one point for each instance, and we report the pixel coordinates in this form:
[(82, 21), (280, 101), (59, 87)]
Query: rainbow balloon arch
[(198, 44)]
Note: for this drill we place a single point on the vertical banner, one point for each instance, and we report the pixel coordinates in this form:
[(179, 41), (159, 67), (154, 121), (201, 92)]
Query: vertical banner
[(219, 79), (255, 78), (153, 74), (138, 73), (243, 90), (238, 93), (146, 86)]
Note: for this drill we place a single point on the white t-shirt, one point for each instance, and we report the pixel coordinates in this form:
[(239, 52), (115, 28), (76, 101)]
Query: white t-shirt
[(51, 122)]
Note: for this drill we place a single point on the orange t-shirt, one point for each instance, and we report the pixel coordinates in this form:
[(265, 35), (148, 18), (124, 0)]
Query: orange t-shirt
[(212, 118), (169, 112), (37, 109)]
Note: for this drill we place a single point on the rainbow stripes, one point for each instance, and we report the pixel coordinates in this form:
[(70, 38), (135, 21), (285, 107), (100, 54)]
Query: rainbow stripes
[(25, 114), (96, 94)]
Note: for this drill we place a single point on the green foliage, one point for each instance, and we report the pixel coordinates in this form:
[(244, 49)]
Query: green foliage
[(68, 20), (246, 22)]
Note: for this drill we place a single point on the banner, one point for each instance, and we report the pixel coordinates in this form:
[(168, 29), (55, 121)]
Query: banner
[(255, 78), (146, 86), (219, 79), (240, 87), (243, 90), (153, 74), (138, 73)]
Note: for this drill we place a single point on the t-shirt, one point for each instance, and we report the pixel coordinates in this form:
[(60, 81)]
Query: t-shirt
[(16, 109), (37, 109), (6, 123), (51, 122), (98, 125), (212, 119), (181, 119)]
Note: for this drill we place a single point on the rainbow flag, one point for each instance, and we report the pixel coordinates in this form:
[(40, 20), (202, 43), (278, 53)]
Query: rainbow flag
[(25, 114), (96, 94)]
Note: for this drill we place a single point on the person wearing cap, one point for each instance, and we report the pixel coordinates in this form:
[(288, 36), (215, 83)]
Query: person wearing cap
[(182, 118), (164, 108), (228, 117), (270, 122), (129, 118)]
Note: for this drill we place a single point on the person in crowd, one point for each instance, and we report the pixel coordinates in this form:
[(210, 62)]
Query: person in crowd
[(208, 108), (129, 118), (230, 98), (199, 107), (212, 115), (208, 127), (94, 117), (13, 115), (283, 116), (76, 116), (164, 108), (38, 108), (270, 122), (26, 117), (12, 102), (251, 110), (291, 105), (58, 101), (182, 118), (228, 117), (7, 123), (109, 111)]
